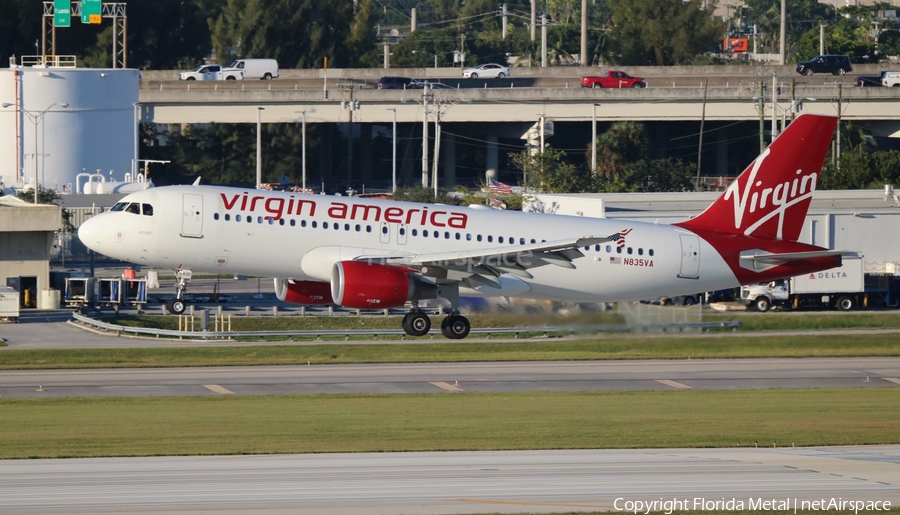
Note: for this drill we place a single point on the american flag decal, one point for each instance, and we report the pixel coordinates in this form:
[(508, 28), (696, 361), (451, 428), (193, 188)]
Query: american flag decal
[(619, 238), (615, 260)]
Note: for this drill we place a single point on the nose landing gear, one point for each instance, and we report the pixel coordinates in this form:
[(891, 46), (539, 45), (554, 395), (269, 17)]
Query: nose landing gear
[(178, 305)]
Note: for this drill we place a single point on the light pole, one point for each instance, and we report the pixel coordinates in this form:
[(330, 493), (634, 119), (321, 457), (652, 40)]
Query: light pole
[(303, 147), (35, 117), (394, 151), (594, 138), (259, 111)]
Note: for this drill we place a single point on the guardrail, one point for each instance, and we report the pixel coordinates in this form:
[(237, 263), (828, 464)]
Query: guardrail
[(375, 333)]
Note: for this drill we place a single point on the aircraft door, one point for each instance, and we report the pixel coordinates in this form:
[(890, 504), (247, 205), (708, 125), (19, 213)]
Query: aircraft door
[(384, 232), (402, 229), (690, 256), (192, 216)]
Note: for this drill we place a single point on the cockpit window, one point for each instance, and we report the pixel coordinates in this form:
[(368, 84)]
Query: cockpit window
[(120, 206), (133, 208), (148, 209)]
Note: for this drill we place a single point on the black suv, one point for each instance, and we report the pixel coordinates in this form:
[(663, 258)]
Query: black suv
[(396, 83), (834, 64)]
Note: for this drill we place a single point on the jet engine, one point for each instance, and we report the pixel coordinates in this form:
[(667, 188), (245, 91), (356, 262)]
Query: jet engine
[(309, 293), (363, 285)]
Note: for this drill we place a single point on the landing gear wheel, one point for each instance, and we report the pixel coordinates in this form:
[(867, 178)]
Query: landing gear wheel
[(762, 304), (176, 306), (455, 327), (416, 324)]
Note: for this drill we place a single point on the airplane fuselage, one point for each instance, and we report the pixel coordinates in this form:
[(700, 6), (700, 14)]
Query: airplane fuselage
[(281, 234)]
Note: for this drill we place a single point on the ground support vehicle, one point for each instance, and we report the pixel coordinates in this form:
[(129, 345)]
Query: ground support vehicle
[(9, 304), (843, 288)]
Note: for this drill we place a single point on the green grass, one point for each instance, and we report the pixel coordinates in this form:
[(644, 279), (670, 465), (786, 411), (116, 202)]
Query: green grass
[(809, 321), (443, 351), (82, 427)]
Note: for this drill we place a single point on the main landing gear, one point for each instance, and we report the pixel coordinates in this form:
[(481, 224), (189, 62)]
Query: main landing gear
[(454, 327), (178, 305)]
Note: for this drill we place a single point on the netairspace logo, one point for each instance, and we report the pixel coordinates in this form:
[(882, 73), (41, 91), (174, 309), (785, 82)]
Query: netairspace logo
[(668, 506)]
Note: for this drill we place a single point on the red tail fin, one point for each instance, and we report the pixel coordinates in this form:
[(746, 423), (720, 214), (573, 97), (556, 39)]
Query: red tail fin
[(771, 197)]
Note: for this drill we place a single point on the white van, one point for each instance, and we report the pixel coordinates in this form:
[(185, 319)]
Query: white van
[(265, 69)]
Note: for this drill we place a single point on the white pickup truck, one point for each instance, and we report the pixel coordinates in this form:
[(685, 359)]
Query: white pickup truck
[(212, 72)]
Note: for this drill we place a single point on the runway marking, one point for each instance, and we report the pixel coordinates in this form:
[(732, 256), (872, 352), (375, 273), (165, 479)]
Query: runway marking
[(446, 386), (526, 503), (892, 379), (673, 384), (218, 389)]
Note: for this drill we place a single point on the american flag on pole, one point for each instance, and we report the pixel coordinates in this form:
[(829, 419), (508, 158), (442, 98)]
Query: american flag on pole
[(498, 187), (619, 238)]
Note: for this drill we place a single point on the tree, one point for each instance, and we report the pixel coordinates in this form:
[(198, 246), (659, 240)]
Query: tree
[(549, 172), (661, 32), (622, 143)]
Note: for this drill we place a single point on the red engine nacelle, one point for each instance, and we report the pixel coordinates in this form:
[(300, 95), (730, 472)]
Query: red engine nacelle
[(309, 293), (362, 285)]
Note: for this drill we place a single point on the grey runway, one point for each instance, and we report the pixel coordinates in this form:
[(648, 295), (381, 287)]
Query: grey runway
[(712, 374), (451, 482)]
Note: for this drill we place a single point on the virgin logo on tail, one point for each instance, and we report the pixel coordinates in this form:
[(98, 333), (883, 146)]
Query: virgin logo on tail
[(777, 199), (771, 198)]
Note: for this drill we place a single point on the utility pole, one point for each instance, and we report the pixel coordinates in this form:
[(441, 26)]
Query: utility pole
[(533, 19), (259, 111), (543, 40), (584, 32), (700, 146), (783, 23), (425, 136), (762, 118), (505, 21)]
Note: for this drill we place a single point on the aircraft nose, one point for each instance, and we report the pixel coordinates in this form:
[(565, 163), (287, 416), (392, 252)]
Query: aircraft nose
[(91, 233)]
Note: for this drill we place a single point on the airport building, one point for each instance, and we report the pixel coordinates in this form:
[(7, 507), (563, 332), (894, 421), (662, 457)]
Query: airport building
[(27, 233)]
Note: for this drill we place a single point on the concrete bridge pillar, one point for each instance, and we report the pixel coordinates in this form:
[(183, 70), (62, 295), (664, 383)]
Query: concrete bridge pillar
[(722, 153), (365, 154), (448, 160), (492, 160)]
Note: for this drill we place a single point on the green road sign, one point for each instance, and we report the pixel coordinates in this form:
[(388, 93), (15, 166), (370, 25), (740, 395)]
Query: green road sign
[(90, 11), (62, 13)]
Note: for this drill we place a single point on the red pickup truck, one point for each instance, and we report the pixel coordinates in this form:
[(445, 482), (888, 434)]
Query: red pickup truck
[(613, 79)]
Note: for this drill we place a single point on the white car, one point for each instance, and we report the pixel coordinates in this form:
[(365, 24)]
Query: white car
[(211, 72), (487, 71)]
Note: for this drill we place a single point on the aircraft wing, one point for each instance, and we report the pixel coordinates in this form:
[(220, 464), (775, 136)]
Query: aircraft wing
[(481, 267)]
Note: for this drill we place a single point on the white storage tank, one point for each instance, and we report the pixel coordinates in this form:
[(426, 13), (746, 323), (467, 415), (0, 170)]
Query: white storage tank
[(60, 121)]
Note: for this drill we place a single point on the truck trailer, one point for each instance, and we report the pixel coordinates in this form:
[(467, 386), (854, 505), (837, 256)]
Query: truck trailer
[(843, 288)]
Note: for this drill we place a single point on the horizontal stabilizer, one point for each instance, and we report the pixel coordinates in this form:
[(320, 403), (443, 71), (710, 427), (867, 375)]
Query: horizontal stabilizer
[(759, 260)]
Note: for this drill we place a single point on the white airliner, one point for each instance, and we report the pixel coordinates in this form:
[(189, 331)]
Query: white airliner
[(380, 254)]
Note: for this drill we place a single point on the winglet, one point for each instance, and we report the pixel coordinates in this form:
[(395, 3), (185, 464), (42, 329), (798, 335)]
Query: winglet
[(771, 197), (197, 182)]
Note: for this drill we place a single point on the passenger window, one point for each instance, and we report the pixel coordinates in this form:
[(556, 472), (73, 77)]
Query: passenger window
[(608, 249), (281, 221), (314, 224), (521, 241), (640, 252), (415, 232), (478, 237), (259, 219), (500, 239), (237, 218), (629, 250), (227, 217), (402, 231), (490, 239), (293, 222), (651, 252), (249, 219), (358, 228), (324, 225), (148, 210), (346, 227), (469, 236), (618, 250), (302, 223), (216, 216), (384, 230), (447, 235), (457, 236), (425, 233), (368, 228), (271, 220)]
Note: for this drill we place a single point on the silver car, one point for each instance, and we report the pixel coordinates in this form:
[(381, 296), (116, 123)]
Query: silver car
[(487, 71)]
